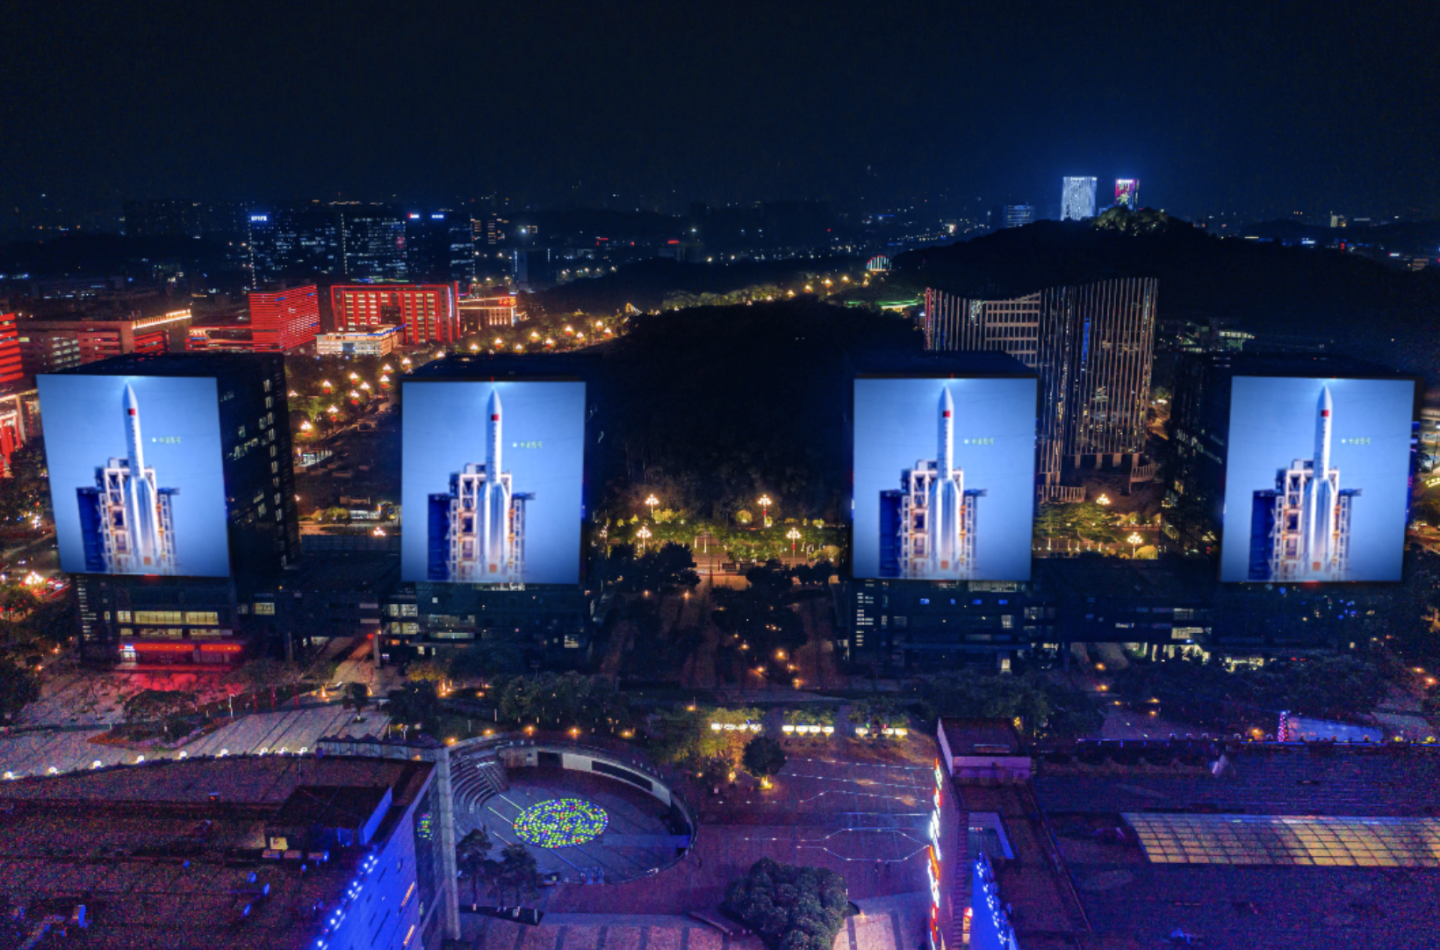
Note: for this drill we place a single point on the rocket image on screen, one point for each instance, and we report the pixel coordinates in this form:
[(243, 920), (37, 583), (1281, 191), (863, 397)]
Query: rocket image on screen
[(1300, 529), (927, 526), (477, 529), (126, 521)]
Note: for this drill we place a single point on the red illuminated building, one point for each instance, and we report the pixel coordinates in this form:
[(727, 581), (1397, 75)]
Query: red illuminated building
[(9, 350), (48, 346), (285, 319), (428, 312)]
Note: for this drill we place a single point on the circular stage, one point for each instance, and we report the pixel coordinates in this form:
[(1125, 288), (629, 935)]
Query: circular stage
[(561, 823)]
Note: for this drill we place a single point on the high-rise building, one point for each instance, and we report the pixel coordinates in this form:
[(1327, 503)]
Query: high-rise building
[(284, 320), (440, 248), (1014, 216), (1077, 199), (10, 362), (428, 312), (1093, 346), (373, 242), (198, 610), (1127, 193), (296, 241), (48, 346)]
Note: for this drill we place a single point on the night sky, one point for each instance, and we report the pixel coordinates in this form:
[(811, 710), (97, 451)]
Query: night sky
[(1213, 106)]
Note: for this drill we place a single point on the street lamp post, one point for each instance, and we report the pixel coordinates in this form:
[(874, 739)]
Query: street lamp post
[(1135, 541), (794, 535), (650, 503), (765, 503), (644, 535)]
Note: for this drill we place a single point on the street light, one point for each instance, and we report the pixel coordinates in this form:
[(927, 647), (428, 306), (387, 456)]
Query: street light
[(652, 501), (1103, 500), (765, 507), (1135, 541), (794, 535), (644, 535)]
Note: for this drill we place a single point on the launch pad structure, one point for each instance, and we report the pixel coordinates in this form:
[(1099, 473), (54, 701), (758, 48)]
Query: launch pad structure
[(1300, 529)]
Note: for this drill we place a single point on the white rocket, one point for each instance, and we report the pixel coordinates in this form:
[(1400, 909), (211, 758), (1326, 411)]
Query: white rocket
[(141, 504), (495, 498), (1321, 493), (946, 495)]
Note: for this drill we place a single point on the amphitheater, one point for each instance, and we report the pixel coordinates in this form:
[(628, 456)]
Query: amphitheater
[(588, 814)]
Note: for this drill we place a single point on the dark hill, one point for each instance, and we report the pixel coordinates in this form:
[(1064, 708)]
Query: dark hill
[(715, 405), (1372, 311), (645, 284)]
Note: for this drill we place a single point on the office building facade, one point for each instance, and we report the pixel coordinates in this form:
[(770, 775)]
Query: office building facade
[(10, 360), (284, 320), (1077, 199), (380, 341), (373, 242), (301, 241), (440, 248), (49, 346), (1015, 216), (1093, 347), (427, 313), (206, 621)]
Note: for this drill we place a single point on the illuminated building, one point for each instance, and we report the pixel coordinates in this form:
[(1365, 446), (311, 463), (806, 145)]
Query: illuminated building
[(207, 622), (497, 310), (284, 320), (1300, 530), (48, 346), (439, 248), (380, 341), (1093, 346), (427, 312), (1127, 193), (294, 241), (927, 527), (1015, 216), (372, 242), (19, 423), (10, 361), (477, 530), (1077, 199)]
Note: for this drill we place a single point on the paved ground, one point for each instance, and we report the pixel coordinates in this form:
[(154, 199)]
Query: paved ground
[(635, 839), (39, 752), (888, 923)]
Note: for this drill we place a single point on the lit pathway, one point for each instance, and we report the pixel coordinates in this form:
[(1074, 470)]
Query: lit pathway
[(37, 753)]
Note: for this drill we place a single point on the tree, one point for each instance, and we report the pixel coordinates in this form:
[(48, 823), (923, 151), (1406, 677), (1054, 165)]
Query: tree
[(763, 757), (415, 705), (517, 874), (169, 707), (427, 671), (265, 674), (472, 854), (357, 697), (790, 908), (19, 687)]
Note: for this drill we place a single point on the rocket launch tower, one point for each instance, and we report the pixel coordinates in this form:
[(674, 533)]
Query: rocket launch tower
[(1300, 530), (477, 529), (927, 527), (126, 520)]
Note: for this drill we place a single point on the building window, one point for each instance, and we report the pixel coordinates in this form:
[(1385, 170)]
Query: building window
[(202, 616), (159, 616)]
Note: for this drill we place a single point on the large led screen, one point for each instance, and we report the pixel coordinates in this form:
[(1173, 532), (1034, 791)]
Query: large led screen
[(944, 478), (1316, 479), (136, 474), (492, 481)]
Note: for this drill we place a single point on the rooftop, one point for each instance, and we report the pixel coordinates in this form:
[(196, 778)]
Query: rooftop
[(173, 854)]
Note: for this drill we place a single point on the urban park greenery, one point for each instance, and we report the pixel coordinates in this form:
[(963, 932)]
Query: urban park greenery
[(789, 907)]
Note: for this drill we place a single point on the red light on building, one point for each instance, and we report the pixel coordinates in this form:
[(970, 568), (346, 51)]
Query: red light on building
[(9, 349), (284, 320), (428, 312)]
